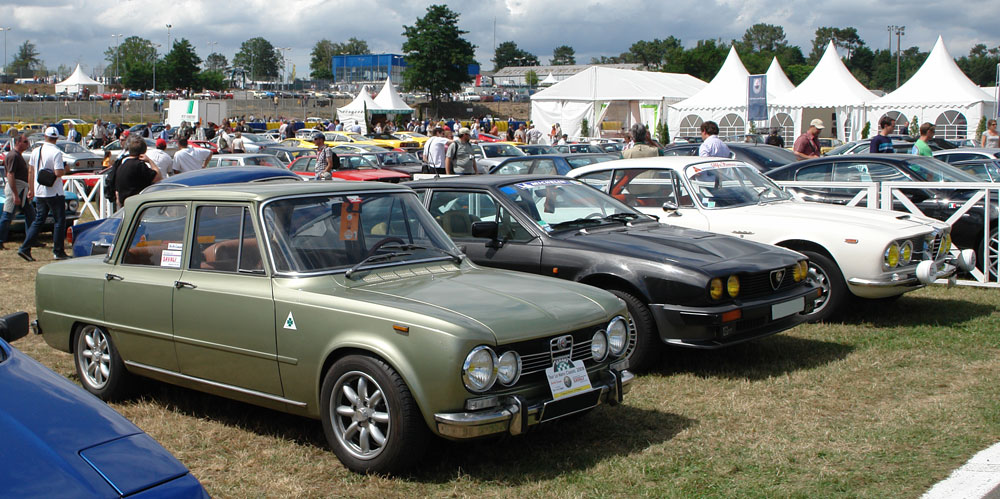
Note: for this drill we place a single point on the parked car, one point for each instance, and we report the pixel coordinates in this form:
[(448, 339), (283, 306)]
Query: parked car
[(71, 121), (244, 159), (61, 441), (578, 148), (352, 167), (76, 158), (549, 164), (288, 154), (490, 154), (941, 204), (984, 169), (403, 162), (536, 149), (391, 141), (325, 286), (17, 224), (762, 156), (967, 153), (419, 138), (682, 286), (891, 253), (252, 142), (899, 146)]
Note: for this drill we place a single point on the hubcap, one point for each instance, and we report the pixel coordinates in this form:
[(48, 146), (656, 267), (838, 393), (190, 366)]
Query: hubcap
[(360, 415), (823, 281), (994, 255), (94, 356)]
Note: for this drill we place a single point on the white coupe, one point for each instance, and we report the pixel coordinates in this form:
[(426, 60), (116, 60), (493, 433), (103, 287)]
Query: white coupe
[(871, 254)]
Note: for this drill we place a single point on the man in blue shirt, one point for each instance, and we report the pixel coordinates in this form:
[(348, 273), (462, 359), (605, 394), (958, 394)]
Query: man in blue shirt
[(881, 143), (711, 144)]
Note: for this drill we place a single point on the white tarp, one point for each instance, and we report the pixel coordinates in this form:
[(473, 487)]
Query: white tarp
[(78, 81), (357, 110), (388, 101), (590, 93), (549, 80)]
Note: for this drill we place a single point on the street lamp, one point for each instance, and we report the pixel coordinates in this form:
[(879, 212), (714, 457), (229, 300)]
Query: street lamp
[(899, 31), (118, 43), (168, 36), (155, 47), (285, 69), (5, 30), (212, 46)]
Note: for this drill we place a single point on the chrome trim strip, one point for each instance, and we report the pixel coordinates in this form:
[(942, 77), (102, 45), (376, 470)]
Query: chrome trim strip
[(215, 384)]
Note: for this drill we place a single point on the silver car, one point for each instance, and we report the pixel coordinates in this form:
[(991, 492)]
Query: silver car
[(77, 159)]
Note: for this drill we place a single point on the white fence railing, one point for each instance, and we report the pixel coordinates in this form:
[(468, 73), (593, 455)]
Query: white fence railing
[(92, 199), (893, 196)]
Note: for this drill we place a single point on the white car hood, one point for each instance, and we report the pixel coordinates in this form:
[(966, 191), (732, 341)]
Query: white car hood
[(823, 215)]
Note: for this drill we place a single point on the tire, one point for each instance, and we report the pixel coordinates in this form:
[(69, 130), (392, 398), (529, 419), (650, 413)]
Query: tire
[(994, 249), (99, 365), (647, 347), (828, 275), (382, 409)]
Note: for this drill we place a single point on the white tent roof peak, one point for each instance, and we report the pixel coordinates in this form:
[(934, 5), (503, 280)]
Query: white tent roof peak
[(829, 85), (778, 83), (549, 80), (938, 82), (389, 100), (600, 83), (363, 100), (727, 90)]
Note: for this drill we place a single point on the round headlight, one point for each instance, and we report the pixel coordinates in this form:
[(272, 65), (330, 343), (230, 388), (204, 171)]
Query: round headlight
[(599, 346), (800, 271), (73, 205), (892, 255), (945, 245), (509, 368), (479, 371), (715, 288), (906, 253), (733, 286), (617, 332)]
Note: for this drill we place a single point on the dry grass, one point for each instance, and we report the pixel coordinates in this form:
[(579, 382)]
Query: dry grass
[(883, 404)]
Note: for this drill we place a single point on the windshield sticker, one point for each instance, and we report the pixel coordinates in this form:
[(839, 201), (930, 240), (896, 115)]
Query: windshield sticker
[(175, 246), (537, 183), (350, 214), (170, 258), (545, 225)]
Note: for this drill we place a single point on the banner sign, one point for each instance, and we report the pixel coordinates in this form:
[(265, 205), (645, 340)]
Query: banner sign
[(757, 98)]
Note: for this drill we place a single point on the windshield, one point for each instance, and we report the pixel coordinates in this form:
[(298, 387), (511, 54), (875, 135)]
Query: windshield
[(934, 170), (415, 135), (562, 204), (501, 150), (397, 158), (725, 185), (71, 148), (841, 149), (334, 233), (262, 161), (770, 157)]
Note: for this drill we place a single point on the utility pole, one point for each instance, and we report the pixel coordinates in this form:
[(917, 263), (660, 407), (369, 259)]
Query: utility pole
[(168, 36), (118, 44), (156, 46), (900, 31), (5, 30)]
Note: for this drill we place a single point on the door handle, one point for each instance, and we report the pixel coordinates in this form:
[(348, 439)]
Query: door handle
[(113, 277), (182, 284)]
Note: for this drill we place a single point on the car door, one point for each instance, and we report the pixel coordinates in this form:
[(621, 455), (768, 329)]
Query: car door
[(515, 248), (138, 294), (649, 189), (223, 312)]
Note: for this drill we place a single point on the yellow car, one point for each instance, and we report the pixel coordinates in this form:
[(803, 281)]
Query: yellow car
[(391, 141), (299, 142), (419, 138), (30, 127), (353, 138)]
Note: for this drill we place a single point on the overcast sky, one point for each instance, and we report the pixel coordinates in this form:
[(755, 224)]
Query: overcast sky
[(78, 31)]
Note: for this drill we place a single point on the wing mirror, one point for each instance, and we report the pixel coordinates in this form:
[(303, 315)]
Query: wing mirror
[(671, 209), (14, 326), (486, 229)]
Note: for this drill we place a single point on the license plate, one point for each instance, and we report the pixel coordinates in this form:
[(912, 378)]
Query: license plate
[(567, 378), (787, 308)]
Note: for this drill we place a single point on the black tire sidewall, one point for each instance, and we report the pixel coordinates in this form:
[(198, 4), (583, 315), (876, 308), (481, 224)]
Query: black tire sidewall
[(118, 385), (838, 294), (647, 343)]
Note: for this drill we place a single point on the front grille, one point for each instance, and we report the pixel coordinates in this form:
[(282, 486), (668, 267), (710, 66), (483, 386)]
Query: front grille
[(759, 284)]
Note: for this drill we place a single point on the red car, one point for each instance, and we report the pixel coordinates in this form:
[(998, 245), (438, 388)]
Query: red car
[(352, 167), (485, 137), (204, 144)]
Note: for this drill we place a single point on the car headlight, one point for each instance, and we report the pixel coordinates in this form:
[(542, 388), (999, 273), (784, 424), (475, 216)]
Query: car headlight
[(73, 205), (906, 253), (509, 368), (733, 286), (617, 332), (945, 245), (599, 346), (800, 270), (891, 257), (715, 288), (479, 371)]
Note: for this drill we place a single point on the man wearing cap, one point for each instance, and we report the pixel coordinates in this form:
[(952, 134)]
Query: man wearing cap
[(19, 188), (48, 198), (326, 160), (711, 145), (807, 145), (189, 158), (881, 143), (161, 158), (461, 156)]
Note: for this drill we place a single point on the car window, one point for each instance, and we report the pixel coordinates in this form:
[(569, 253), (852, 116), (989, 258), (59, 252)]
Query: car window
[(262, 161), (977, 169), (815, 173), (455, 211), (679, 151), (597, 180), (229, 162), (545, 167), (517, 167), (866, 172), (304, 165), (225, 240), (578, 162), (564, 204), (644, 187), (957, 156), (158, 237)]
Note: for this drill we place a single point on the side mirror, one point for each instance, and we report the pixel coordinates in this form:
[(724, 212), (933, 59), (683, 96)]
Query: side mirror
[(486, 230), (671, 209), (14, 326)]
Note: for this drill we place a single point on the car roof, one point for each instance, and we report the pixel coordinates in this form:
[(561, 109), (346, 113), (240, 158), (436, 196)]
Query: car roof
[(986, 150), (259, 191), (230, 174), (480, 180), (664, 162)]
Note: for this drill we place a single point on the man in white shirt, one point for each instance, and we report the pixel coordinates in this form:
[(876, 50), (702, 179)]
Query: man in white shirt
[(189, 158), (160, 158), (534, 134), (48, 199), (438, 149), (712, 146)]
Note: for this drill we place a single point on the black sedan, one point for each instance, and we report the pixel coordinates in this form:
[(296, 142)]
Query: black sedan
[(687, 287), (550, 164), (987, 170), (967, 230), (536, 149), (578, 148), (763, 157)]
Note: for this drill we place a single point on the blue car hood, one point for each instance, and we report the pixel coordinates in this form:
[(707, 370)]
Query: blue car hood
[(60, 440)]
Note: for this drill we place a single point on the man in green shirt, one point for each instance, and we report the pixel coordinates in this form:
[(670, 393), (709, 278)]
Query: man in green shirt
[(921, 148)]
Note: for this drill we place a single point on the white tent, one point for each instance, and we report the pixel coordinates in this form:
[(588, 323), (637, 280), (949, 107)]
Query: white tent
[(939, 93), (357, 111), (388, 101), (78, 81), (723, 100), (549, 80), (598, 94), (778, 83), (830, 93)]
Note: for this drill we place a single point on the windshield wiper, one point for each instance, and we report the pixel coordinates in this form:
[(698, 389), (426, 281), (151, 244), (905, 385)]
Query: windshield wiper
[(622, 217), (456, 257), (578, 221), (373, 259)]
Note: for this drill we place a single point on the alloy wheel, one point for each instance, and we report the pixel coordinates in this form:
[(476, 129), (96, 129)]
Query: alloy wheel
[(360, 415)]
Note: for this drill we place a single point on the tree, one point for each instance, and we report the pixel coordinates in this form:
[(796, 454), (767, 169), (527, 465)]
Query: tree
[(843, 38), (563, 55), (63, 71), (258, 56), (981, 64), (211, 80), (215, 62), (762, 38), (181, 65), (531, 78), (134, 63), (352, 46), (25, 60), (324, 50), (437, 56), (508, 54)]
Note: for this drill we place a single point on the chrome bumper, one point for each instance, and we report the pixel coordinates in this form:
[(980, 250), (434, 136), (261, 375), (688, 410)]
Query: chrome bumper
[(927, 272), (515, 415)]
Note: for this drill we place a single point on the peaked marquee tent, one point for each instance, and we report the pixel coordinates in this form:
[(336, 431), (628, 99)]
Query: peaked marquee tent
[(388, 101), (549, 80), (723, 100), (78, 81), (778, 83), (830, 93), (358, 110), (939, 93), (600, 93)]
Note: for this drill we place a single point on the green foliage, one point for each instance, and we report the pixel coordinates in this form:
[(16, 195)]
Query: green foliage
[(216, 62), (437, 56), (181, 65), (866, 130), (324, 50), (585, 128), (762, 38), (135, 63), (25, 60), (211, 80), (914, 127), (563, 55), (531, 78), (843, 38), (259, 57), (508, 54), (980, 129), (981, 64), (663, 133)]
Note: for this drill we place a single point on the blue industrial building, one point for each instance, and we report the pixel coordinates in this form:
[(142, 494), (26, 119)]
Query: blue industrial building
[(373, 68)]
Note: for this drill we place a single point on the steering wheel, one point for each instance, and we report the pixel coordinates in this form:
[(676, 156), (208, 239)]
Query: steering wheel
[(594, 215), (383, 242)]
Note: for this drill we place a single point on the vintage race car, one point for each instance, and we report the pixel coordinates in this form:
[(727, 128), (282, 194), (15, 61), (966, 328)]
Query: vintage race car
[(340, 301), (852, 251)]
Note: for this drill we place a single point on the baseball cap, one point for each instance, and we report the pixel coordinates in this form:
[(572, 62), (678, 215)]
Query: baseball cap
[(161, 142), (463, 131), (51, 132), (318, 136), (818, 123), (125, 134)]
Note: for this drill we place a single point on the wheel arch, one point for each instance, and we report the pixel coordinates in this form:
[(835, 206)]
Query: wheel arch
[(610, 281)]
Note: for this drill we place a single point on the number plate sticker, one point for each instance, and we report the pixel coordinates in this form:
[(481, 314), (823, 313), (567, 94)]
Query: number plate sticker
[(788, 308), (567, 378)]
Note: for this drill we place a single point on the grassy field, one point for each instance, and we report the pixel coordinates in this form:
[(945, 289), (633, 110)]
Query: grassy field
[(883, 404)]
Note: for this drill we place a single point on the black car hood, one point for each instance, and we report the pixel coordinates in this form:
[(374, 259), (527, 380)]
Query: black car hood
[(685, 247)]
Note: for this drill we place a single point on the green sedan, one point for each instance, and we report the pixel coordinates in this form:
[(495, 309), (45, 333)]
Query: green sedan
[(340, 301)]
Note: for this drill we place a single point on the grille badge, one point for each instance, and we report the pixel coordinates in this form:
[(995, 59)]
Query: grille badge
[(776, 277), (560, 347)]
